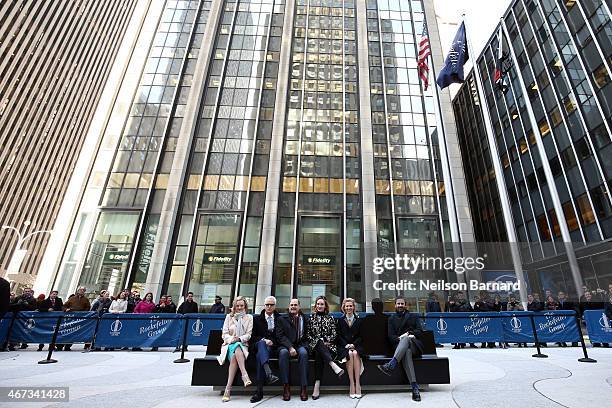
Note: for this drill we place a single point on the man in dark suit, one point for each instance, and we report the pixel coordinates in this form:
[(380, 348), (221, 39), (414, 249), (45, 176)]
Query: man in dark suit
[(265, 341), (404, 331), (5, 296), (294, 343), (52, 303)]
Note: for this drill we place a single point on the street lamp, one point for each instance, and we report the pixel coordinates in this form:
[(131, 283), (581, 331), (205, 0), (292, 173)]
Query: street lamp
[(20, 252)]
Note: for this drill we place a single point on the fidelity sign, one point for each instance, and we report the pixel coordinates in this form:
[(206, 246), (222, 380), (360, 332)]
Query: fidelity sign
[(319, 260)]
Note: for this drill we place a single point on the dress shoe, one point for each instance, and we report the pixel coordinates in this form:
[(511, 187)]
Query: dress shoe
[(256, 398), (304, 394), (286, 392), (271, 379), (23, 346), (315, 397), (416, 396), (385, 369)]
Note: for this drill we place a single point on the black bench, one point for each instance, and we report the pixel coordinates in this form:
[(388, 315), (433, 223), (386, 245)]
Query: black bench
[(429, 369)]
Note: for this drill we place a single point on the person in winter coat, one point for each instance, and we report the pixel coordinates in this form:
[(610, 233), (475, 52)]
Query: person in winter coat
[(188, 306), (350, 345), (119, 305), (322, 336), (103, 305), (236, 333), (24, 303), (51, 304), (147, 305)]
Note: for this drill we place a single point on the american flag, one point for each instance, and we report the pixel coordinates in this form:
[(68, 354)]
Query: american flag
[(424, 52)]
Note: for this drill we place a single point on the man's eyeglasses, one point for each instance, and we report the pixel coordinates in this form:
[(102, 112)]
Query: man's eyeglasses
[(270, 304)]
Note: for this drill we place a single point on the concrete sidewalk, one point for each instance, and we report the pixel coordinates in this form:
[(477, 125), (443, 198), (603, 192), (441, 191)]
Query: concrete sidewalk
[(480, 378)]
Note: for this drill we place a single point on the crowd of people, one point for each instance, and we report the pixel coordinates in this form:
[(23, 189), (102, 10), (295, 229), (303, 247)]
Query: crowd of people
[(483, 302), (125, 301), (333, 342)]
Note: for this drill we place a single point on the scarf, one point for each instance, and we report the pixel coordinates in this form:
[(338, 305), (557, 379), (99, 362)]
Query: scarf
[(240, 330)]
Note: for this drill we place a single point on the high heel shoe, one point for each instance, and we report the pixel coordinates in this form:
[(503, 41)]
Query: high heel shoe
[(226, 396), (246, 380)]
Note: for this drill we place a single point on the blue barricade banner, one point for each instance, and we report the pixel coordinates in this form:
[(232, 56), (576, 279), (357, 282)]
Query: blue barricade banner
[(556, 326), (599, 326), (516, 327), (140, 330), (551, 326), (200, 325), (464, 327), (5, 324), (38, 327)]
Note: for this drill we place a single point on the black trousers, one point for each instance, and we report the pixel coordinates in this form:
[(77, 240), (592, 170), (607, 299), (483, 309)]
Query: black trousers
[(322, 357)]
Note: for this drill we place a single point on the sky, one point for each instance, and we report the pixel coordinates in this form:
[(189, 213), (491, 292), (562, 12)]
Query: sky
[(482, 16)]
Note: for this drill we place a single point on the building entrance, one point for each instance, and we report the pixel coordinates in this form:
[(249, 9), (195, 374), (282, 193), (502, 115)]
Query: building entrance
[(319, 260)]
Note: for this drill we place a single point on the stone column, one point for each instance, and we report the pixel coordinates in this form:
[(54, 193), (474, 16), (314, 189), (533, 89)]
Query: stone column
[(368, 189), (268, 233)]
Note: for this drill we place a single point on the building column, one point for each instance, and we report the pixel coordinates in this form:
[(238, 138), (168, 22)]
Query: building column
[(171, 205), (268, 234), (368, 189)]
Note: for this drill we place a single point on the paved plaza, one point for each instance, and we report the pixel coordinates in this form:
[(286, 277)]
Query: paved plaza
[(479, 378)]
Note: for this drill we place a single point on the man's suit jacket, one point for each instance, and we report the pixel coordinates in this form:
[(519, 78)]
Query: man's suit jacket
[(287, 336), (406, 323), (260, 329), (45, 305)]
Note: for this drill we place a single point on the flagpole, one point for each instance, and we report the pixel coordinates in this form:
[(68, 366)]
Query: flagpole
[(499, 174), (453, 215), (455, 233)]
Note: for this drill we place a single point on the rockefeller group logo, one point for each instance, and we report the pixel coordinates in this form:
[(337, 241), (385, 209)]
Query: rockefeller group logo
[(116, 328), (197, 328)]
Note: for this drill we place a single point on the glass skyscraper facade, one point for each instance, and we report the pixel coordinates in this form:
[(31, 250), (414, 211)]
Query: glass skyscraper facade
[(55, 58), (271, 147), (552, 141)]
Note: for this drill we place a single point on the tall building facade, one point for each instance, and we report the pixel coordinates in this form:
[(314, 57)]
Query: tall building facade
[(271, 147), (546, 169), (55, 58)]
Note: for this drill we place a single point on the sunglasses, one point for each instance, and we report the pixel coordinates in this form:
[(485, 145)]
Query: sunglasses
[(270, 304)]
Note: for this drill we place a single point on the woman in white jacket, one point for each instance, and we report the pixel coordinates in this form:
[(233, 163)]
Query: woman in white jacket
[(119, 305), (237, 329)]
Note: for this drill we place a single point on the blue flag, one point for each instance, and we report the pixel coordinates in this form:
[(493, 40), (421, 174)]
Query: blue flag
[(453, 65)]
